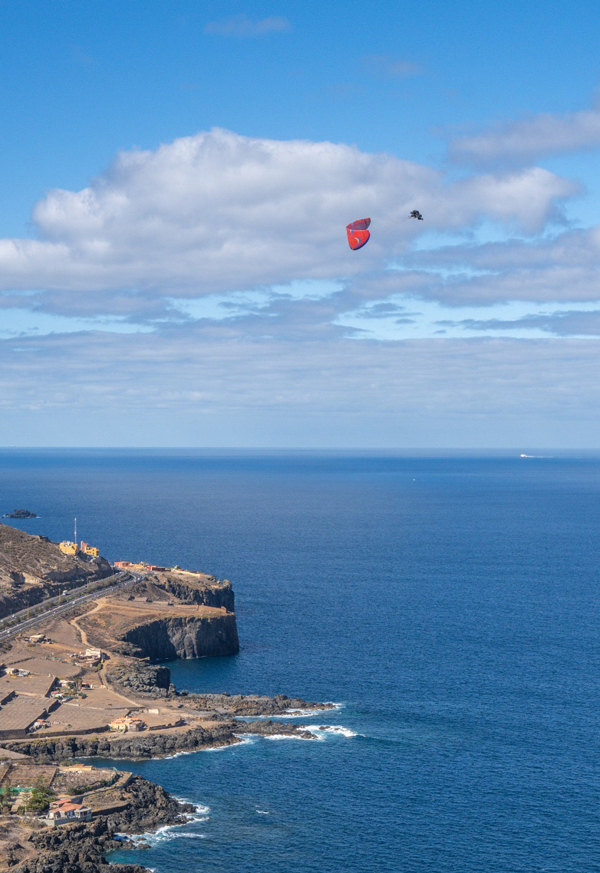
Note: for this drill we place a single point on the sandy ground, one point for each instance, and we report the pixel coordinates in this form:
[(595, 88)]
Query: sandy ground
[(94, 702)]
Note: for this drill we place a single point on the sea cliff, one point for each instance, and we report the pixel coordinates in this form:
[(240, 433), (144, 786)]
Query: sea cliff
[(164, 639)]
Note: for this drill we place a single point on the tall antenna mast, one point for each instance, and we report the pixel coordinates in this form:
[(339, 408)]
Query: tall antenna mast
[(75, 532)]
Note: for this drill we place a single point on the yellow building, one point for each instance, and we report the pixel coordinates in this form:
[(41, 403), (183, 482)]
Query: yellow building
[(68, 548), (90, 550)]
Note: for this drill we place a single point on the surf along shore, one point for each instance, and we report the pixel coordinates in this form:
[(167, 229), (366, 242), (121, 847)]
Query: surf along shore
[(85, 684)]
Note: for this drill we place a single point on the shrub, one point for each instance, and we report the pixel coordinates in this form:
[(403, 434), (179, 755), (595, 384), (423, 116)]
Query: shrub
[(39, 798)]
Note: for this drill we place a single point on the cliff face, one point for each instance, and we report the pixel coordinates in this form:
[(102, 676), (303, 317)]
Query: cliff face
[(194, 588), (184, 637), (32, 569)]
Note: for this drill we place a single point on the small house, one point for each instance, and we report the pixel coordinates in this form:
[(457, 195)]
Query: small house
[(65, 811)]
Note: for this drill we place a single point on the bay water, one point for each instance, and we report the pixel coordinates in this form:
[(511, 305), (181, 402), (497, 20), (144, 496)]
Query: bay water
[(449, 605)]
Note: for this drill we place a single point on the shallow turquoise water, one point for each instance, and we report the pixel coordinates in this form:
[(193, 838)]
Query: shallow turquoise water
[(452, 606)]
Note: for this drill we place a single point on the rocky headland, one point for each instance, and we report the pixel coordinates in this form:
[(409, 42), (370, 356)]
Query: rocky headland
[(134, 746), (83, 847), (101, 694)]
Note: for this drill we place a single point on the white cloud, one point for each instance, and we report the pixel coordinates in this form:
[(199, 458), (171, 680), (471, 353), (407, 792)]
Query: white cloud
[(218, 212), (207, 385), (565, 268), (562, 323), (243, 26), (529, 138)]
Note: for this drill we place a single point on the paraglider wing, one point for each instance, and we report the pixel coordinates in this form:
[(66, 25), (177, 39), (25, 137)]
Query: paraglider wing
[(357, 232)]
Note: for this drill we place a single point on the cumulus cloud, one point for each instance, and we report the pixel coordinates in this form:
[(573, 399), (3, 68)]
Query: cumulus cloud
[(243, 26), (219, 212), (529, 138)]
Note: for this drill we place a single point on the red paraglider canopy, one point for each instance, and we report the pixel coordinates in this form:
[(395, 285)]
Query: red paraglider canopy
[(358, 235)]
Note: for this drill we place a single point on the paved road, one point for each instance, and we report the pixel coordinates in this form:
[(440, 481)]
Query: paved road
[(123, 580), (58, 599)]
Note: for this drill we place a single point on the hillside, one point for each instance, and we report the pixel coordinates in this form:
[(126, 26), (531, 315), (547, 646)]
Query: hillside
[(33, 568)]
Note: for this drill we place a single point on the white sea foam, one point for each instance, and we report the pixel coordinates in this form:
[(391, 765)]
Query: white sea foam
[(338, 729), (200, 809), (242, 740), (180, 755), (210, 749), (170, 832), (166, 833), (262, 812), (293, 713), (308, 713), (289, 737)]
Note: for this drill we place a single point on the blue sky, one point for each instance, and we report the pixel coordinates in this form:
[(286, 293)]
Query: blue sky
[(175, 181)]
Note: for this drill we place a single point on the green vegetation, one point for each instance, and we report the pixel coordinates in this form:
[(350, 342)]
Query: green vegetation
[(40, 797), (7, 795)]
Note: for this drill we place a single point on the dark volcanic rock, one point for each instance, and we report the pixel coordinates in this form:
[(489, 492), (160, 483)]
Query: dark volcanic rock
[(251, 704), (270, 728), (184, 637), (202, 591), (20, 513), (135, 745), (151, 745), (82, 848), (141, 678)]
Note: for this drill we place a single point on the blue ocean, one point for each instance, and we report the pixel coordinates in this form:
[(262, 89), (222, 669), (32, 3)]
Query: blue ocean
[(449, 605)]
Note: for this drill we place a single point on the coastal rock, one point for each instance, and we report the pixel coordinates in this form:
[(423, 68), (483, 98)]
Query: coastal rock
[(270, 728), (129, 745), (151, 745), (249, 705), (82, 848), (184, 637), (141, 678), (199, 589)]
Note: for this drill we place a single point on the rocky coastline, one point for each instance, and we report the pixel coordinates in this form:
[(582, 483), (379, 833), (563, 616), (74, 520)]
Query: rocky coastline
[(82, 847), (111, 700), (134, 746)]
